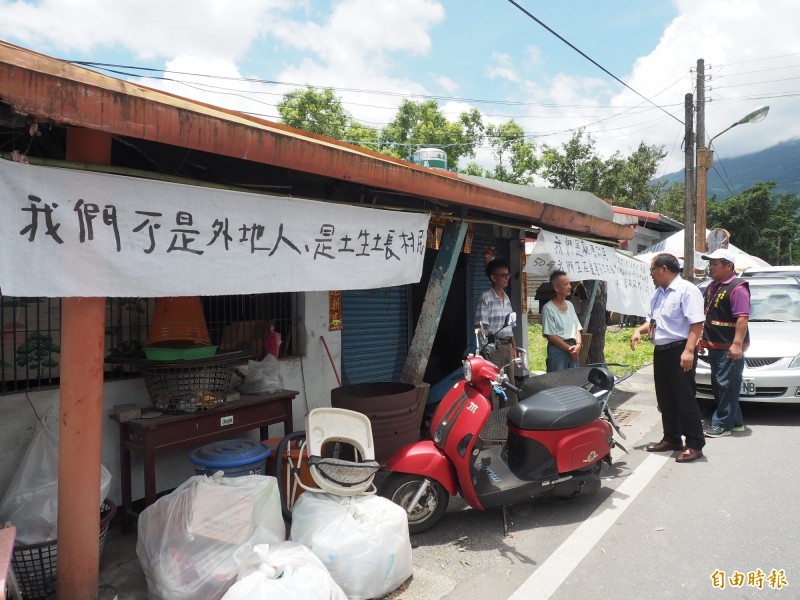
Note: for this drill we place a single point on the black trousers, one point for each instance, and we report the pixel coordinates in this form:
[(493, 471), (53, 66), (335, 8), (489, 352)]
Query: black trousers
[(675, 393)]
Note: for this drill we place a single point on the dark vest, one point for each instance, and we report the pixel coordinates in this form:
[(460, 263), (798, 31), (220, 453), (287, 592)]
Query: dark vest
[(720, 326)]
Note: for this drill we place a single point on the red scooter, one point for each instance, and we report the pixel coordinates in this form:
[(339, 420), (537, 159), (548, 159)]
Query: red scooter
[(557, 438)]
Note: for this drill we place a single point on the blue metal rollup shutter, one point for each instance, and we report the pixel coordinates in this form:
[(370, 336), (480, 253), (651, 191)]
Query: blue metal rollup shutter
[(375, 334)]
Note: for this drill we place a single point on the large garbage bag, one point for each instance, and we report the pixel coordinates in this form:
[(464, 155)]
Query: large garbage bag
[(192, 541), (284, 571), (362, 540), (31, 500)]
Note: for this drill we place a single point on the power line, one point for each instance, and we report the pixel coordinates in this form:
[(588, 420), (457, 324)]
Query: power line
[(375, 126), (591, 60), (113, 68)]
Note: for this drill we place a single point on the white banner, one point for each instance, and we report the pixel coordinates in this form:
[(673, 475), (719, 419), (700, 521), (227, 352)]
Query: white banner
[(73, 233), (628, 280)]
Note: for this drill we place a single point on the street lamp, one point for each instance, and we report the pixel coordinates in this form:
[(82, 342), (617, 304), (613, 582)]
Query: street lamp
[(705, 160)]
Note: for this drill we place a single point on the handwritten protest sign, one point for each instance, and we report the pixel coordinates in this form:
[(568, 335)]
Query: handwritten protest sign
[(73, 233), (628, 280)]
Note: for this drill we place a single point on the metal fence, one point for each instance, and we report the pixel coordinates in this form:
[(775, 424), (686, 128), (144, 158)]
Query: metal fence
[(30, 333)]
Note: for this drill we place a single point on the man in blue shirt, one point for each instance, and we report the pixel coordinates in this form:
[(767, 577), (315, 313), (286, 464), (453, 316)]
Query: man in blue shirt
[(674, 326)]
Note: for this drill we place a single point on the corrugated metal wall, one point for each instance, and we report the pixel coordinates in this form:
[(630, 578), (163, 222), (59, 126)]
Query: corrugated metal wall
[(375, 334)]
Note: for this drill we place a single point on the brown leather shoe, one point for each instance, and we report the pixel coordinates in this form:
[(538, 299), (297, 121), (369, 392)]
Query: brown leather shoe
[(663, 446), (688, 455)]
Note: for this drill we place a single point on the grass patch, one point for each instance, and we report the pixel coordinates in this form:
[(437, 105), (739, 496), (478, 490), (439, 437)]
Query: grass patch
[(618, 349)]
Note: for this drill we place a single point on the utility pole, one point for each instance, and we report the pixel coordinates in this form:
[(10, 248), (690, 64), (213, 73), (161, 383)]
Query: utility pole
[(702, 162), (689, 197)]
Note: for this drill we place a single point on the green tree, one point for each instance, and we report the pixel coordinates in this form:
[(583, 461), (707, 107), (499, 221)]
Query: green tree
[(515, 156), (420, 124), (575, 166), (672, 202), (628, 181), (760, 222), (624, 180), (360, 134), (316, 112)]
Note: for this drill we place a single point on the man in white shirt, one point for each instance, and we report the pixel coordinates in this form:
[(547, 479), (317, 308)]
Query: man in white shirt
[(674, 327)]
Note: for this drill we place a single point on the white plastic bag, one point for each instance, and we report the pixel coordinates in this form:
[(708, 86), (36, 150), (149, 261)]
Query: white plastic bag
[(31, 500), (190, 540), (284, 571), (263, 376), (362, 540)]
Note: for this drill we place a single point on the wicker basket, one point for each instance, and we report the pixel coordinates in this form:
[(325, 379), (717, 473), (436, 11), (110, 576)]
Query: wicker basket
[(35, 564), (190, 387)]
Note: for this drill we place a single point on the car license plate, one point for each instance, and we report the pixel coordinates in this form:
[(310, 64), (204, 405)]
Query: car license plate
[(748, 387)]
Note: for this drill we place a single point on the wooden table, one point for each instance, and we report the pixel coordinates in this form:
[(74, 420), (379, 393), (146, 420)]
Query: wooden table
[(192, 430)]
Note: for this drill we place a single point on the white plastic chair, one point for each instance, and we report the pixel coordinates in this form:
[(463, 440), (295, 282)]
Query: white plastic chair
[(335, 475)]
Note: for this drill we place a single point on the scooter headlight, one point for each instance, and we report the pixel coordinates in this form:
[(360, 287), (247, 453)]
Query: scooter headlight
[(467, 371)]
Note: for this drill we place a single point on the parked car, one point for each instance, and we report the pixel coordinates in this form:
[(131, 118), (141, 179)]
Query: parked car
[(776, 271), (772, 362)]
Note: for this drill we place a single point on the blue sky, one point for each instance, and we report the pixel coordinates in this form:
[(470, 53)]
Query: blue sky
[(375, 52)]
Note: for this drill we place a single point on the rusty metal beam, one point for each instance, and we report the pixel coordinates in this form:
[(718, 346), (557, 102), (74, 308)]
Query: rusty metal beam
[(51, 90)]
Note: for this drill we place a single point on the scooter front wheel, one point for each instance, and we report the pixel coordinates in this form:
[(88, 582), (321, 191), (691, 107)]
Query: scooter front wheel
[(402, 488)]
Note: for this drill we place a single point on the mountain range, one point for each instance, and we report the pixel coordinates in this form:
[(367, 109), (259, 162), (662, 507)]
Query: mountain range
[(732, 176)]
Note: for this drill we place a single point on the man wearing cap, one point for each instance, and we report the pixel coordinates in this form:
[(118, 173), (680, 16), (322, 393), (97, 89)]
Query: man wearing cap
[(674, 327), (725, 338)]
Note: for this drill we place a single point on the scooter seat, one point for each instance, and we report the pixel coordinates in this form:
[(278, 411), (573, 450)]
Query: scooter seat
[(557, 408)]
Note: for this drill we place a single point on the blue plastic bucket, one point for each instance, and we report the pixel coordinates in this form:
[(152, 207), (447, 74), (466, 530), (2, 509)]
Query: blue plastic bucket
[(234, 458)]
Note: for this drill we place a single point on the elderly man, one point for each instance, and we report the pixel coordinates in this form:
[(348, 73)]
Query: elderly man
[(725, 338), (491, 309), (674, 327), (561, 327)]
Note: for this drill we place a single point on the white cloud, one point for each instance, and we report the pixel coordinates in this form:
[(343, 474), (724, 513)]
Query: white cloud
[(733, 38), (147, 28), (533, 56), (445, 83), (355, 48), (502, 67)]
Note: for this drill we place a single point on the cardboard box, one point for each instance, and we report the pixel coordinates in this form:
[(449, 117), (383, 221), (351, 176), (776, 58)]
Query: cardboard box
[(294, 453), (247, 336)]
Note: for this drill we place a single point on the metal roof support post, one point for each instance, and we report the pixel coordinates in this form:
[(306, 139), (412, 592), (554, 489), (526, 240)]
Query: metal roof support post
[(80, 419), (435, 297)]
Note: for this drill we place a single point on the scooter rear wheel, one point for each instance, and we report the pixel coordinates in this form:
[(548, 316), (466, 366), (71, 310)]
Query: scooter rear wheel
[(401, 488)]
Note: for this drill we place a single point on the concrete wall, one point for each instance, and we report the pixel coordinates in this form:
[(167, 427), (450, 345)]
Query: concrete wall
[(311, 375)]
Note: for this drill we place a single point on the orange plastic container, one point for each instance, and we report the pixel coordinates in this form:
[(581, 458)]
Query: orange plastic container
[(293, 450), (178, 322)]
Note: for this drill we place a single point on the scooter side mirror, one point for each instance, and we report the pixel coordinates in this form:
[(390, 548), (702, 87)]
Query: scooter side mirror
[(511, 319), (602, 378)]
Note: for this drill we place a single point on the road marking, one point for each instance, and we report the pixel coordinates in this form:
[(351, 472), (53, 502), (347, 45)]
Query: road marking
[(554, 571)]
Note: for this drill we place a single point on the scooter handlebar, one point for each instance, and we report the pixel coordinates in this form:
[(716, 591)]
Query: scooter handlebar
[(511, 387)]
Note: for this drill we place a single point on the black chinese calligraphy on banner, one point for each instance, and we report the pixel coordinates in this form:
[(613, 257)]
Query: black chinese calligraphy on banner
[(628, 279), (73, 233)]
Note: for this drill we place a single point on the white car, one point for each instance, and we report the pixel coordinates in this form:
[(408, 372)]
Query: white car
[(772, 362), (776, 271)]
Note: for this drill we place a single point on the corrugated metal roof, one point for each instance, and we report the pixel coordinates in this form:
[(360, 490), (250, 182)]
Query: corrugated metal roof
[(51, 90), (584, 202)]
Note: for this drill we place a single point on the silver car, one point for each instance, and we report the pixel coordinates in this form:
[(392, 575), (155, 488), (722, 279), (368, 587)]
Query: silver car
[(772, 362)]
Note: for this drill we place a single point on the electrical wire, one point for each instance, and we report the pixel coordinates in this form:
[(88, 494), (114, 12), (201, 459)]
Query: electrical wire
[(591, 60)]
